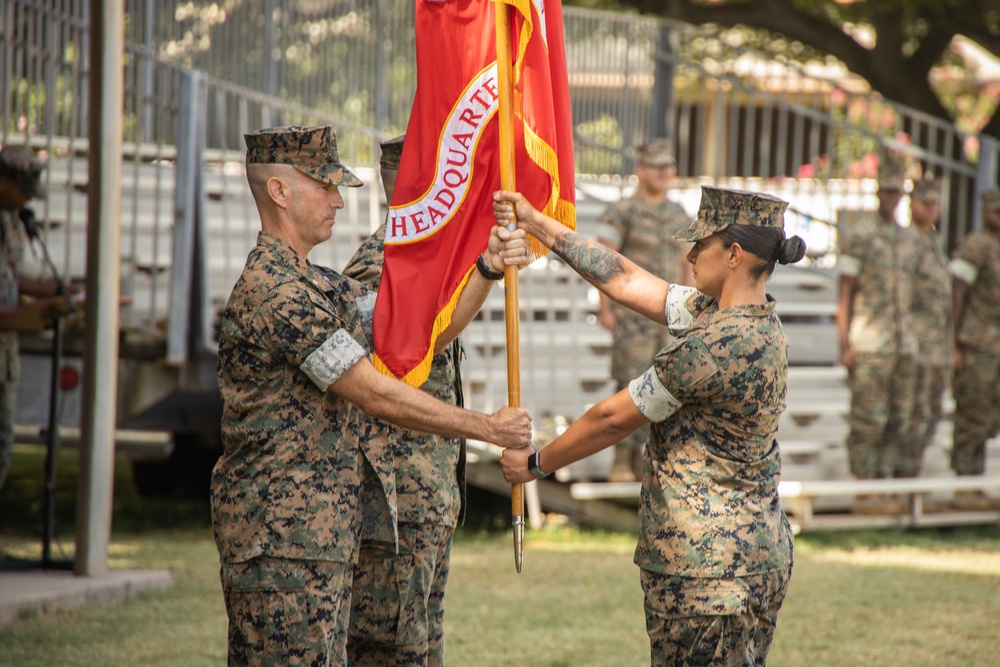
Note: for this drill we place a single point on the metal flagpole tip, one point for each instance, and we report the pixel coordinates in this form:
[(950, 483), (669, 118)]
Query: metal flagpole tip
[(518, 523)]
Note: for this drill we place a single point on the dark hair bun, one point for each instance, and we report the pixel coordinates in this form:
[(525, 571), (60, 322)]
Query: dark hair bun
[(792, 250)]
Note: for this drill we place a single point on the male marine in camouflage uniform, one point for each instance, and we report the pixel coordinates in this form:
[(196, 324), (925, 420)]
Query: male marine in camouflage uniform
[(878, 260), (20, 180), (293, 372), (975, 270), (397, 615), (931, 317), (642, 228)]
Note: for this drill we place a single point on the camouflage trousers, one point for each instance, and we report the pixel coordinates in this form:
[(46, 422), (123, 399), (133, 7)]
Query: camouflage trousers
[(287, 612), (8, 392), (977, 411), (931, 383), (712, 622), (397, 610), (882, 393)]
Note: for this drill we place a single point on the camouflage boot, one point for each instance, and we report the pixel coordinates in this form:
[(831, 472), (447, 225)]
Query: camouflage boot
[(637, 454), (974, 501), (621, 468), (878, 504)]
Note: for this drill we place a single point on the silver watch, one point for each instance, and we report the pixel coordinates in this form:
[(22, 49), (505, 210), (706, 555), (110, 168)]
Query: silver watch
[(533, 467)]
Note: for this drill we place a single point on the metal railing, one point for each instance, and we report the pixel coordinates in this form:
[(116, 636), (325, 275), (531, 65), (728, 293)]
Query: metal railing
[(630, 77)]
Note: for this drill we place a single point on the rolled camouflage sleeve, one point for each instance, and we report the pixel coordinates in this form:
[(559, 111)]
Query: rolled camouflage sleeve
[(848, 265), (964, 270), (676, 309), (654, 400), (969, 257), (851, 254), (333, 358)]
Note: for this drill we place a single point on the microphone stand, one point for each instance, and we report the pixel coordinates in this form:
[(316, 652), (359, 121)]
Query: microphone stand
[(27, 217)]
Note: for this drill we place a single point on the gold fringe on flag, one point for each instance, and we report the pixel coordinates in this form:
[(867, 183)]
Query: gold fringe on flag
[(419, 373)]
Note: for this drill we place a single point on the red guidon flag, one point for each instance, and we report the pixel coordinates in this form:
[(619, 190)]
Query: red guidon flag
[(441, 211)]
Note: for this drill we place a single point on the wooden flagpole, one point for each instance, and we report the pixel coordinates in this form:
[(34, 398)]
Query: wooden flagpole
[(511, 307)]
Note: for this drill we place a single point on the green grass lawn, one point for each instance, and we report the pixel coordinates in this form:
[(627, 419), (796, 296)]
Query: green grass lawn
[(917, 598)]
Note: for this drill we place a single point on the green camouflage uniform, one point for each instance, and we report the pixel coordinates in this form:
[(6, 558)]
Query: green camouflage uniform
[(883, 259), (10, 363), (297, 478), (977, 383), (21, 173), (715, 548), (645, 234), (397, 615), (931, 316), (289, 484)]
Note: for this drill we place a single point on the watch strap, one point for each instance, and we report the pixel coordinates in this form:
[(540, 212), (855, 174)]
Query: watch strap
[(486, 271), (533, 467)]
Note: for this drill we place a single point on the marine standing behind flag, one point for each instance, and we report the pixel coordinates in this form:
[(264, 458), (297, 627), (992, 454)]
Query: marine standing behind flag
[(440, 215), (398, 596)]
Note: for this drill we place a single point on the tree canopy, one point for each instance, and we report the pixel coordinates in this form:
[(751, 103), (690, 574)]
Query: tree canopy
[(895, 45)]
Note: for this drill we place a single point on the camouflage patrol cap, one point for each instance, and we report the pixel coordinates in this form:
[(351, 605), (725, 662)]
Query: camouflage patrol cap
[(392, 150), (926, 189), (991, 199), (24, 170), (720, 208), (655, 152), (891, 174), (311, 150)]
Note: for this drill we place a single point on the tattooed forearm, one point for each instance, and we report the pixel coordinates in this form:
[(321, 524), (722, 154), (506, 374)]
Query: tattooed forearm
[(595, 262)]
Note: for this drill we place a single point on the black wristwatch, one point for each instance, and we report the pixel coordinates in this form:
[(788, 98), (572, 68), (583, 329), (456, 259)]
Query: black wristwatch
[(533, 467), (486, 271)]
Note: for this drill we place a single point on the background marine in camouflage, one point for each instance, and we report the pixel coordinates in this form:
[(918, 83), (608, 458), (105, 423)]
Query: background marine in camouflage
[(294, 371), (714, 548), (975, 270), (642, 228), (931, 317), (877, 264), (20, 181)]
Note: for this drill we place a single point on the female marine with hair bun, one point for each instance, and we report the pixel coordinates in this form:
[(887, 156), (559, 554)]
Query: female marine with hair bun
[(715, 548)]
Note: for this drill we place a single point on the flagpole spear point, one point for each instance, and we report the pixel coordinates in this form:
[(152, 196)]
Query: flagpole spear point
[(518, 522)]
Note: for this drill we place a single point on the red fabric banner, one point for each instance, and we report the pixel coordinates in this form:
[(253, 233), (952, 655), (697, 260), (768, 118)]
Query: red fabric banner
[(441, 211)]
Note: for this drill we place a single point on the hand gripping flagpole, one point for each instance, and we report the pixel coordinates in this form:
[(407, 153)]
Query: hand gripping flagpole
[(511, 308)]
